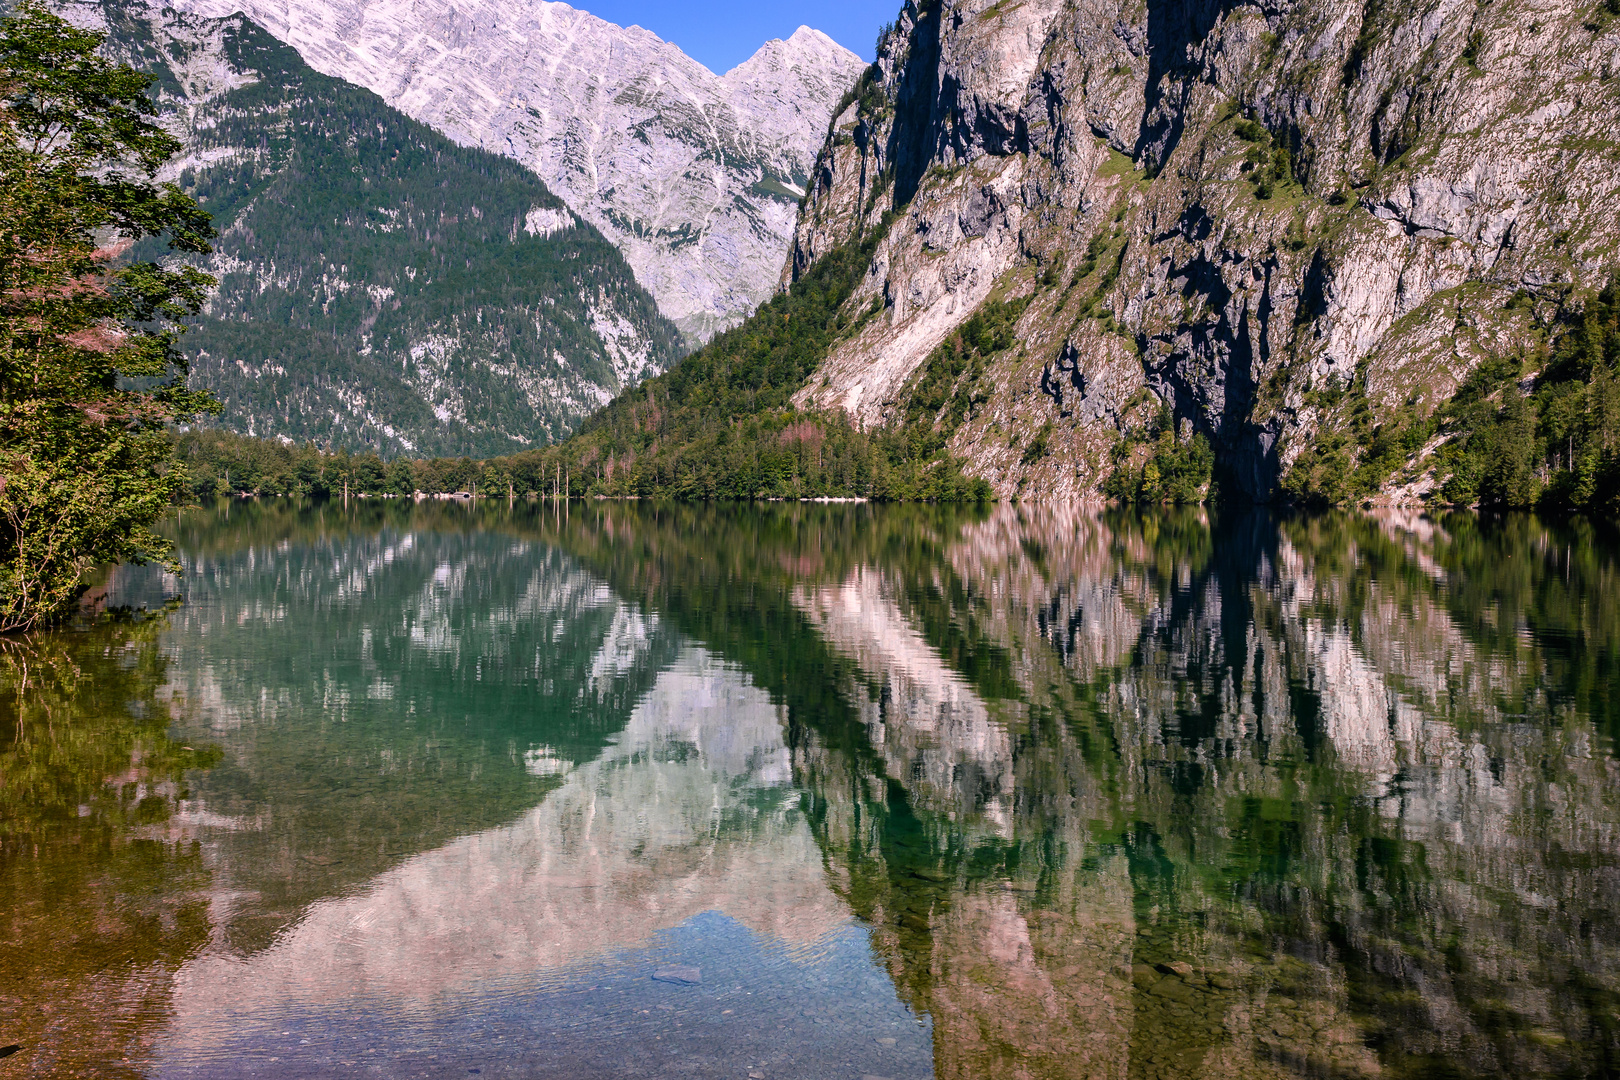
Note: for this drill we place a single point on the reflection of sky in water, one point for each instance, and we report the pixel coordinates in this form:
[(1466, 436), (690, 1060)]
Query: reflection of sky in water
[(761, 1005)]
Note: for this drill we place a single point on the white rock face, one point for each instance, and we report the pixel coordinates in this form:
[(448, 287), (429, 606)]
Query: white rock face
[(695, 176), (546, 221)]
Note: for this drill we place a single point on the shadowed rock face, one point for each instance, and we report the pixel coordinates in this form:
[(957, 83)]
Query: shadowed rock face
[(695, 176), (1103, 794), (1438, 161)]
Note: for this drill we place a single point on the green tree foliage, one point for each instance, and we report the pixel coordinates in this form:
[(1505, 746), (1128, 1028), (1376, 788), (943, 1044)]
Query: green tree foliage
[(1354, 452), (1175, 471), (1541, 429), (89, 373), (722, 425), (223, 463), (950, 386), (1268, 165), (1557, 445), (1250, 131)]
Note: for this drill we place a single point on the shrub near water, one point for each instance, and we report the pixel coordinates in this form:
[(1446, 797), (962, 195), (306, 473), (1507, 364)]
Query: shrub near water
[(89, 376), (1175, 472)]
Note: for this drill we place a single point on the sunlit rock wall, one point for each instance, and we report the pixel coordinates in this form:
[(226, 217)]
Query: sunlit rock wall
[(1090, 159)]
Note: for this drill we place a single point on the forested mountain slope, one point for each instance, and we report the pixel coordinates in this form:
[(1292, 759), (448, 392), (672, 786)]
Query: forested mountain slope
[(695, 176), (1319, 251), (380, 286), (1293, 240)]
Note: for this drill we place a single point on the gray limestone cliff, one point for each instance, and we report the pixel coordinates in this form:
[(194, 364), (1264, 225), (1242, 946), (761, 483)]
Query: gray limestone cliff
[(392, 292), (1236, 211), (696, 177)]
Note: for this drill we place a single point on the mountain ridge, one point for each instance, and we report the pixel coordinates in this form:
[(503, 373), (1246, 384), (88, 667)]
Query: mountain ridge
[(1281, 228), (379, 287), (696, 176)]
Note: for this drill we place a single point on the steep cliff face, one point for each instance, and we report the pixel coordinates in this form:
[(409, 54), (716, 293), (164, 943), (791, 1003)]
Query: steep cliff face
[(1265, 218), (695, 176)]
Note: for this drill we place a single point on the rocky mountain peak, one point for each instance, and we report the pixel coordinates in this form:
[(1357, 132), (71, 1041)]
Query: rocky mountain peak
[(387, 290), (805, 47), (694, 176)]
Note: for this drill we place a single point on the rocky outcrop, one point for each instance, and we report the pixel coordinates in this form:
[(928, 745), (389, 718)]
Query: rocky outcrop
[(695, 176), (1233, 210)]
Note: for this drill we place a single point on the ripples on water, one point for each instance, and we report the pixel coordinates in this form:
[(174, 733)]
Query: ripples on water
[(821, 792)]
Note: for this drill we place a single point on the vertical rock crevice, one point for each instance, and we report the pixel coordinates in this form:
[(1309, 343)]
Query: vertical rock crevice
[(1226, 209)]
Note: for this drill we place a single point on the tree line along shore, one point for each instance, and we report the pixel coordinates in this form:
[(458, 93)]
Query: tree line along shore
[(1538, 429)]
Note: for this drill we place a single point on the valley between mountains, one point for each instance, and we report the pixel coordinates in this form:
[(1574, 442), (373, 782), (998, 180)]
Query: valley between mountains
[(1325, 250), (388, 283)]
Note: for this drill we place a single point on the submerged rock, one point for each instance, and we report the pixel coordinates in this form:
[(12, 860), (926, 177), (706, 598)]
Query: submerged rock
[(679, 974)]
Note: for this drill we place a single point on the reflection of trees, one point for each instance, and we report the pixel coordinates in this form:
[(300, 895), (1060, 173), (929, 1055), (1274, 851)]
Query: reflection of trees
[(230, 526), (97, 908), (1121, 794), (1164, 795), (384, 679)]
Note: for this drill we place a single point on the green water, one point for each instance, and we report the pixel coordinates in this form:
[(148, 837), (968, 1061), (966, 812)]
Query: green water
[(821, 792)]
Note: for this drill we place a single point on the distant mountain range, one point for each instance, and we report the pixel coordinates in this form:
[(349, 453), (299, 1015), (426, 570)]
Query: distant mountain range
[(380, 286), (556, 209), (697, 177)]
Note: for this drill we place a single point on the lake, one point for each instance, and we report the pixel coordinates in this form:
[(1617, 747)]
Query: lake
[(802, 791)]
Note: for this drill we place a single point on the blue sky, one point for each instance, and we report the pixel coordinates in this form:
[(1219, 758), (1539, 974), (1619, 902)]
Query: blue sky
[(720, 34)]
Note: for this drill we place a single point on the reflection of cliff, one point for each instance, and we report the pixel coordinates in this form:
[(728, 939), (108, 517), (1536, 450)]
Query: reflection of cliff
[(687, 811), (1327, 796), (924, 719), (381, 692), (1303, 709)]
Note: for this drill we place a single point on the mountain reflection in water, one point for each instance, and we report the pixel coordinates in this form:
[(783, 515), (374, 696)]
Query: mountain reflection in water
[(619, 790)]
